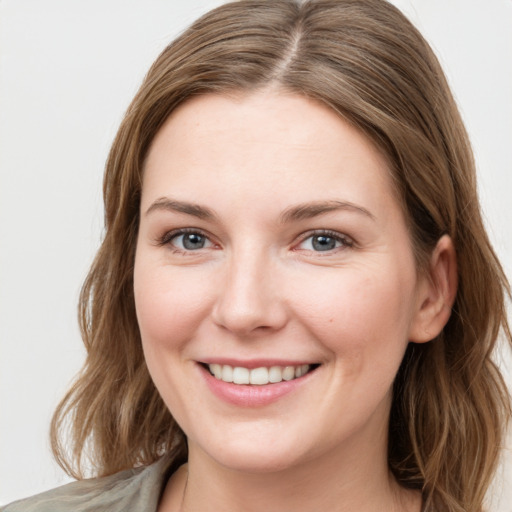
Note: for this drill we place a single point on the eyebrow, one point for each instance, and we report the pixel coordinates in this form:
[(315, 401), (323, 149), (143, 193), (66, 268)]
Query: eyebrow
[(299, 212), (172, 205), (314, 209)]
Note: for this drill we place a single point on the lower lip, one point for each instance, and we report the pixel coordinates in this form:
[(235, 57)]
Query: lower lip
[(247, 395)]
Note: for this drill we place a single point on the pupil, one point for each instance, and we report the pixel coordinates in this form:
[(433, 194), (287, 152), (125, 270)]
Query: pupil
[(193, 241), (323, 243)]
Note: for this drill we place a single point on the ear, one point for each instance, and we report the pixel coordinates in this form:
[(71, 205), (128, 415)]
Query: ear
[(437, 289)]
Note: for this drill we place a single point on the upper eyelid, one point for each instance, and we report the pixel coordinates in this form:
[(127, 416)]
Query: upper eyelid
[(346, 243), (326, 232), (169, 235)]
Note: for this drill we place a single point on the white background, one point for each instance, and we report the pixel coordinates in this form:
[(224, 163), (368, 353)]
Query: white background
[(68, 70)]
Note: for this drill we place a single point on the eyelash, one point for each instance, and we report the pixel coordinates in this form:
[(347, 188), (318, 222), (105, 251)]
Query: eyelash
[(345, 241), (168, 237)]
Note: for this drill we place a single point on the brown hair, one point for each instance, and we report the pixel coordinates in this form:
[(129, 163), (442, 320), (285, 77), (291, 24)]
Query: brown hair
[(365, 60)]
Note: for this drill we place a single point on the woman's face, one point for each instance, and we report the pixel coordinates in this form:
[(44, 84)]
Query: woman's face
[(271, 244)]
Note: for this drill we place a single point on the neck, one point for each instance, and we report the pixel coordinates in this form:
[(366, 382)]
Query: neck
[(345, 479)]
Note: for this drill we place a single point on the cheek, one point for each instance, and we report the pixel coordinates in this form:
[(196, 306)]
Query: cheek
[(358, 312), (169, 306), (169, 310)]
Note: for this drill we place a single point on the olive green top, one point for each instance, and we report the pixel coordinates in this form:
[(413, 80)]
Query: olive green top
[(132, 490)]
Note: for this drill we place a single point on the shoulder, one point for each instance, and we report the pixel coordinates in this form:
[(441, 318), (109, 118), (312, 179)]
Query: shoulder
[(130, 490)]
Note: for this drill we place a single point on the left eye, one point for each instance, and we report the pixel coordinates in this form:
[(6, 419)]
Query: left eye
[(190, 241), (323, 242)]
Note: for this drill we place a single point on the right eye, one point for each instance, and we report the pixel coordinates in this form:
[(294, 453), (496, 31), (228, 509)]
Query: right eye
[(187, 240)]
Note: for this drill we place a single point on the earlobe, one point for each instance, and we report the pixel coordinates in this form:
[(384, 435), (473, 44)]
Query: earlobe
[(436, 293)]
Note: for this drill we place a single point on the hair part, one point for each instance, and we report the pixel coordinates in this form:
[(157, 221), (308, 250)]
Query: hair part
[(364, 60)]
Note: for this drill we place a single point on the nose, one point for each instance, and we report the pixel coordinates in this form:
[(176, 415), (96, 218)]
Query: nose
[(250, 300)]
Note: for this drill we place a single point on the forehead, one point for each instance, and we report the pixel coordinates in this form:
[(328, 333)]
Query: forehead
[(272, 143)]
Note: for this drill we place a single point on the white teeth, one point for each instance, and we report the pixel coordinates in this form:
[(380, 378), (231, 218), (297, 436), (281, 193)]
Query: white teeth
[(216, 369), (275, 374), (289, 373), (301, 370), (227, 373), (257, 376), (240, 375)]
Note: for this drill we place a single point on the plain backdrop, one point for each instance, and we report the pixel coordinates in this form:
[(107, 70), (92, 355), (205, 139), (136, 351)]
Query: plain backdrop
[(68, 69)]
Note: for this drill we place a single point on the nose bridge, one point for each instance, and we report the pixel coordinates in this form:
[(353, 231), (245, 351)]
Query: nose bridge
[(249, 298)]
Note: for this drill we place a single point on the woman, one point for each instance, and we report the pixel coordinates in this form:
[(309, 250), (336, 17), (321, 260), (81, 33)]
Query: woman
[(286, 295)]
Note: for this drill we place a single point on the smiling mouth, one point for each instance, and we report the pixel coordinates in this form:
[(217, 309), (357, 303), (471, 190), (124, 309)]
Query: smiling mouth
[(258, 376)]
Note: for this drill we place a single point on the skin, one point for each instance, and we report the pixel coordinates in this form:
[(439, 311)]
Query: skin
[(259, 288)]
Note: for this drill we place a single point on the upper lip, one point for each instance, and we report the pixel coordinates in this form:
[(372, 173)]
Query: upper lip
[(255, 363)]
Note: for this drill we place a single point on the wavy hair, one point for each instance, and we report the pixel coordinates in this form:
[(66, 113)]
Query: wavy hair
[(367, 62)]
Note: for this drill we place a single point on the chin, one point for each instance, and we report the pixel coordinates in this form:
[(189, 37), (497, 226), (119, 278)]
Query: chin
[(258, 463), (257, 456)]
